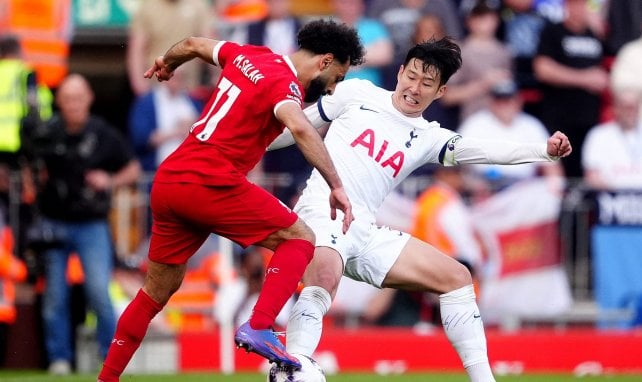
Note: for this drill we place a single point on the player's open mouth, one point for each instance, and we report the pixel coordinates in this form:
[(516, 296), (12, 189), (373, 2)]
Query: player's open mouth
[(410, 100)]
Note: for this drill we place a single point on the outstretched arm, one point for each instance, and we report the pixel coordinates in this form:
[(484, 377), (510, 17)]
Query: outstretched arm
[(181, 52), (462, 150), (315, 152)]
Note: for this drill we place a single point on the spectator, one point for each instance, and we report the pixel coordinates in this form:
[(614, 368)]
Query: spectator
[(150, 34), (84, 160), (11, 270), (44, 30), (238, 11), (400, 18), (160, 119), (427, 27), (568, 64), (379, 48), (22, 100), (277, 30), (612, 152), (442, 218), (486, 62), (625, 72), (623, 20), (505, 119), (522, 26)]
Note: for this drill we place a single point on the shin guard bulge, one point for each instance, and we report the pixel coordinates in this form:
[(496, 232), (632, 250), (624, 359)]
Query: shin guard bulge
[(306, 320), (130, 331), (465, 330), (282, 277)]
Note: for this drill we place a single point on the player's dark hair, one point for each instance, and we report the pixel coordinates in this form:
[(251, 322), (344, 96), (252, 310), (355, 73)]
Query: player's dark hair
[(326, 36), (444, 55)]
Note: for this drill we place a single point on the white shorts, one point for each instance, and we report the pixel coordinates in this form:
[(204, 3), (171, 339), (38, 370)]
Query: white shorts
[(368, 251)]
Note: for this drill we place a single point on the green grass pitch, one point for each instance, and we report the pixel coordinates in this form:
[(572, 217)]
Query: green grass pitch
[(40, 376)]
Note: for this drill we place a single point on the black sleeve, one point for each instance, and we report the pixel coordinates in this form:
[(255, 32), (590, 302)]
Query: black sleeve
[(116, 149), (549, 44)]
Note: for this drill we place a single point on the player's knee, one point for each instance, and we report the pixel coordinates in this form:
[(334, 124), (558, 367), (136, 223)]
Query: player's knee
[(302, 231), (163, 281), (327, 279), (309, 235), (322, 276), (459, 276), (454, 276)]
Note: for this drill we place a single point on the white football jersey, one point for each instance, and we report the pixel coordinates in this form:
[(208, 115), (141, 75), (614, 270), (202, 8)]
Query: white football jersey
[(373, 146)]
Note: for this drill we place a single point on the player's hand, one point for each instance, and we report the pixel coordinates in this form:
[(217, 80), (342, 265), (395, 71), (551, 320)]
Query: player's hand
[(339, 199), (558, 145), (160, 69)]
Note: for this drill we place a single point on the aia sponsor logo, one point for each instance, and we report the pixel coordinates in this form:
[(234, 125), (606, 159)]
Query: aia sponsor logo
[(378, 151)]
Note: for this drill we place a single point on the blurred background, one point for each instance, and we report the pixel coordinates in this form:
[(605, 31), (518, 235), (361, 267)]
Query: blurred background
[(555, 248)]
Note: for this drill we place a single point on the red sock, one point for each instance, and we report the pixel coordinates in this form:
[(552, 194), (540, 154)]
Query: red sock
[(282, 277), (131, 328)]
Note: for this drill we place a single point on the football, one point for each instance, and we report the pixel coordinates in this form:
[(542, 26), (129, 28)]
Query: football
[(310, 371)]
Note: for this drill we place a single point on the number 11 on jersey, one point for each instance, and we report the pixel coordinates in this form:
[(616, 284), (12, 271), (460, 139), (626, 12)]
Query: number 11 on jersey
[(225, 86)]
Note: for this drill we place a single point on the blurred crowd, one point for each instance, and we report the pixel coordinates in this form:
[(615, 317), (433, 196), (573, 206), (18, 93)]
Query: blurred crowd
[(530, 67)]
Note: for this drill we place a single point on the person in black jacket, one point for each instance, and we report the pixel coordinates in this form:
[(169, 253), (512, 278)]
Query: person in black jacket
[(84, 159)]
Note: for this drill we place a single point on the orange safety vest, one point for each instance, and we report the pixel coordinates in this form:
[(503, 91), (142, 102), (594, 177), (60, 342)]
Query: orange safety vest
[(426, 225), (246, 10), (11, 270), (44, 30)]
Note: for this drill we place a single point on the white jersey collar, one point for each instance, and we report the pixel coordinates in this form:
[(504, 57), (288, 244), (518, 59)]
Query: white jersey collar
[(291, 65)]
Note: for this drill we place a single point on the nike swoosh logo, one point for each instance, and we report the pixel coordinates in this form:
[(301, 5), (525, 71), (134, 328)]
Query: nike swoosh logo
[(363, 107), (308, 315)]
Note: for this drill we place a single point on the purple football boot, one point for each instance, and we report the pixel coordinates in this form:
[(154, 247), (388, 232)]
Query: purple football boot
[(266, 344)]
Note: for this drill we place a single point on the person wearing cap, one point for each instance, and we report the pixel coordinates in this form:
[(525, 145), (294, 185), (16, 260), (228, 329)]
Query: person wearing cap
[(505, 119)]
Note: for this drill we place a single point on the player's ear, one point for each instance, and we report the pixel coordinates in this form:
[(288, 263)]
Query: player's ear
[(440, 92), (326, 61), (400, 72)]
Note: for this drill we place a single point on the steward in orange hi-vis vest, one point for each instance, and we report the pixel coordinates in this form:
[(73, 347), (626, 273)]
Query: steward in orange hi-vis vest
[(11, 270), (44, 30)]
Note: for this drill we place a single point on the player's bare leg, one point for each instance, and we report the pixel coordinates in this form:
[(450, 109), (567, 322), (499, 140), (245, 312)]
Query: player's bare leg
[(321, 278), (421, 267), (161, 282)]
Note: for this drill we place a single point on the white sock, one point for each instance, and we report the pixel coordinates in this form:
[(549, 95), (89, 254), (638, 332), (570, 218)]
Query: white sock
[(306, 320), (465, 331)]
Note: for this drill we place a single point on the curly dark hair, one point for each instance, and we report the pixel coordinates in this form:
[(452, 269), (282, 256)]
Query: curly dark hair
[(326, 36), (444, 55)]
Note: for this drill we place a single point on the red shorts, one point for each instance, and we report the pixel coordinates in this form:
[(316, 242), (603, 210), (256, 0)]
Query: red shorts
[(186, 213)]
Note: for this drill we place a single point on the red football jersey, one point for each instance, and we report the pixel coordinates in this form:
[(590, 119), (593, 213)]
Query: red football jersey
[(238, 123)]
